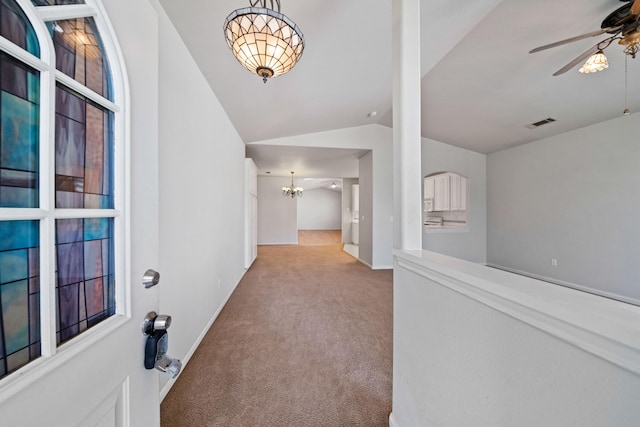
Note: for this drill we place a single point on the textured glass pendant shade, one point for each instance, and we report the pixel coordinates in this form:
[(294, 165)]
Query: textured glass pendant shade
[(264, 41), (596, 62)]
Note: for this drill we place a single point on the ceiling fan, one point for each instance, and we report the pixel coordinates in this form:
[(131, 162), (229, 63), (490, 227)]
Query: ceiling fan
[(623, 24)]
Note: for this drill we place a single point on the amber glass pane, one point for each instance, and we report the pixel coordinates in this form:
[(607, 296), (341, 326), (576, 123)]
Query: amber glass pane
[(80, 54), (84, 153)]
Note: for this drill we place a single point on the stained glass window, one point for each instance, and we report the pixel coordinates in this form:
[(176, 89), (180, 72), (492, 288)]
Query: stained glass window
[(15, 27), (19, 135), (85, 274), (19, 294), (80, 54), (84, 152), (81, 281)]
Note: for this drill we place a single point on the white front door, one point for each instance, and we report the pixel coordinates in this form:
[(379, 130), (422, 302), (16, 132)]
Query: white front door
[(94, 374)]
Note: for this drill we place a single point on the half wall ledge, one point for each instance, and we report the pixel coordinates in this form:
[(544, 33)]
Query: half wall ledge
[(478, 346), (604, 327)]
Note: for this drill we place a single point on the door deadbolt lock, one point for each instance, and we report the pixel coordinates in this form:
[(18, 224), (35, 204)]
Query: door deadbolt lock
[(155, 328), (150, 278)]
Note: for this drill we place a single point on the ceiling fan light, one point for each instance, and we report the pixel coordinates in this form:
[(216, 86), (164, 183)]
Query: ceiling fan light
[(596, 62)]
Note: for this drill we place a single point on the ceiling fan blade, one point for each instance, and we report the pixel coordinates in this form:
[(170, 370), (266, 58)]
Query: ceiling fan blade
[(635, 8), (574, 39), (576, 61)]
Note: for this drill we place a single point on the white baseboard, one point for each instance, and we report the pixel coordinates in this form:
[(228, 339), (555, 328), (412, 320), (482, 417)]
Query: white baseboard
[(365, 263), (167, 387), (392, 421), (377, 267), (278, 243)]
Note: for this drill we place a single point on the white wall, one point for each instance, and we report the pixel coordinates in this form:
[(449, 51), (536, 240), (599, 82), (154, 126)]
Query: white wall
[(320, 209), (574, 197), (347, 213), (366, 210), (201, 196), (277, 215), (470, 245), (378, 139), (475, 346)]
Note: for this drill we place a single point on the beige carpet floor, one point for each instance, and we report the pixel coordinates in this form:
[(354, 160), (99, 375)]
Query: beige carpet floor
[(319, 237), (305, 340)]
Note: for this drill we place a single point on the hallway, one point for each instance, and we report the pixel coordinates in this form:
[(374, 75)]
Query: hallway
[(305, 340)]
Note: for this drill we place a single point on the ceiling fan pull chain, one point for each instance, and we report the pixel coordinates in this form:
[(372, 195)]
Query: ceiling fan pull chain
[(626, 92)]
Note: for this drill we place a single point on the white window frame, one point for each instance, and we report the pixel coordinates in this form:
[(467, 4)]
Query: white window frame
[(52, 355)]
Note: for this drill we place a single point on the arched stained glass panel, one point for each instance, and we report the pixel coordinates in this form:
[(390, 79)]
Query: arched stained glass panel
[(19, 134), (80, 54), (82, 209), (15, 27)]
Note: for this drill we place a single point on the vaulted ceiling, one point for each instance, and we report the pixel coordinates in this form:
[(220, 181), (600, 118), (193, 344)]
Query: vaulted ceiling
[(480, 86)]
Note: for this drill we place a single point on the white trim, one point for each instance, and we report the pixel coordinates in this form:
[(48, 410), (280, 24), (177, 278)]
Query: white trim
[(85, 91), (167, 387), (564, 313), (278, 244), (361, 261), (86, 213), (375, 267), (112, 403), (125, 403), (392, 421), (36, 369), (567, 284), (61, 12), (24, 56), (17, 214)]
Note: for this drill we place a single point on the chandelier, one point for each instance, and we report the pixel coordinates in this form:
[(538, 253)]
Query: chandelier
[(263, 40), (292, 191)]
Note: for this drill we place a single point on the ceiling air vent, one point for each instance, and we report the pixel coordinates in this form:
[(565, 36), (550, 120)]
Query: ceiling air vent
[(540, 123)]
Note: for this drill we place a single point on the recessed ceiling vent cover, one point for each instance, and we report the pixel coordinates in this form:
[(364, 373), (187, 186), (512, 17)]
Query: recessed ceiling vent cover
[(540, 123)]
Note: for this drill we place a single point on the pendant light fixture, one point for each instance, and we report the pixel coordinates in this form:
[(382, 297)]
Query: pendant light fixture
[(292, 191), (264, 40)]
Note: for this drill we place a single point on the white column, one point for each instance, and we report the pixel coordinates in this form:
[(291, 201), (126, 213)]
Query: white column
[(406, 125)]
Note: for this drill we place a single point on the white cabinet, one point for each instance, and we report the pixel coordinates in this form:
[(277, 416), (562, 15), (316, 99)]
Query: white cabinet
[(458, 194), (445, 192), (441, 192), (429, 187)]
